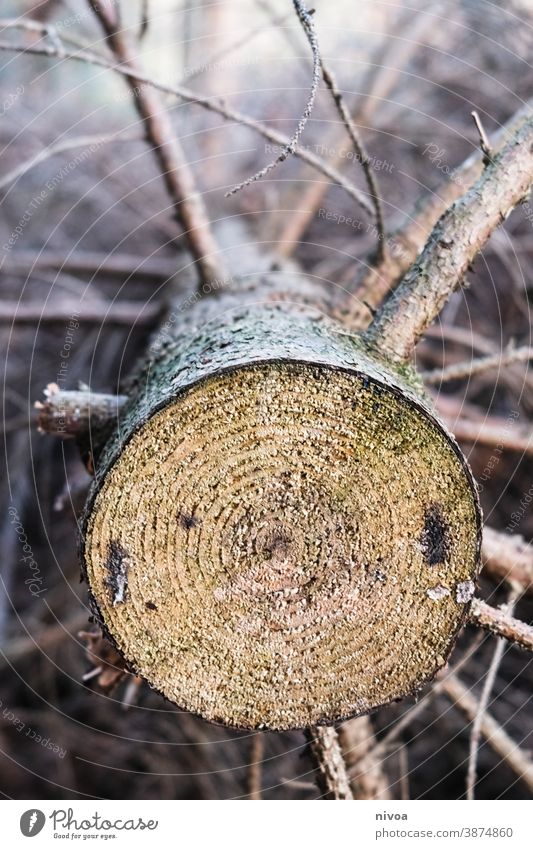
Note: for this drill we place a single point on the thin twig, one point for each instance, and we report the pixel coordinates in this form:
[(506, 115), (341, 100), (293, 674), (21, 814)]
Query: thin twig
[(332, 777), (464, 370), (475, 732), (496, 737), (145, 19), (188, 205), (498, 622), (61, 147), (210, 104), (254, 769), (483, 139), (493, 431), (308, 27), (362, 157)]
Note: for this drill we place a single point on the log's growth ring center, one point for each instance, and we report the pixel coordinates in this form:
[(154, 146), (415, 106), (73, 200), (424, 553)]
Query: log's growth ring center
[(284, 544)]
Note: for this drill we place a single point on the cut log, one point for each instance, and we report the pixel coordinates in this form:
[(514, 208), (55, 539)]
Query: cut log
[(280, 532)]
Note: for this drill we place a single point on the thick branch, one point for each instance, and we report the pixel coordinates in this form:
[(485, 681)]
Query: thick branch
[(375, 279), (75, 413), (332, 777), (179, 180), (454, 243), (499, 622)]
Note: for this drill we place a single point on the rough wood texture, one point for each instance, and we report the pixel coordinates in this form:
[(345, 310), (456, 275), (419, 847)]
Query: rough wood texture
[(332, 778), (498, 622), (280, 534)]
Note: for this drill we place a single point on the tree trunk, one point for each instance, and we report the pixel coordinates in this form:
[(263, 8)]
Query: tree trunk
[(280, 533)]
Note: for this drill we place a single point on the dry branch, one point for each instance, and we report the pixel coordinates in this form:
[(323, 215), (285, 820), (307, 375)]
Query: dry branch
[(358, 745), (455, 241), (460, 371), (128, 313), (496, 737), (308, 27), (498, 622), (332, 777), (188, 96), (177, 174), (476, 730), (375, 280), (507, 557), (76, 413)]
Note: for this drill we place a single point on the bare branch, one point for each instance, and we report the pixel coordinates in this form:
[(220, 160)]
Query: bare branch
[(507, 557), (475, 733), (332, 777), (358, 745), (309, 29), (459, 371), (496, 737), (375, 280), (362, 156), (454, 243), (61, 147), (179, 180), (254, 769), (211, 105), (127, 313), (75, 413), (381, 79), (498, 622)]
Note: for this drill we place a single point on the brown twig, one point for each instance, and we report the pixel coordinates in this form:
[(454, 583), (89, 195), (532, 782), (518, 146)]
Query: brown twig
[(254, 769), (89, 262), (464, 370), (306, 20), (493, 432), (332, 777), (475, 732), (362, 156), (498, 622), (127, 313), (455, 241), (484, 143), (381, 79), (211, 105), (178, 177), (496, 737)]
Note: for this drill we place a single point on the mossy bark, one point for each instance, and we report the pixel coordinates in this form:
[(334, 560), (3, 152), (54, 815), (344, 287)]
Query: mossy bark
[(280, 533)]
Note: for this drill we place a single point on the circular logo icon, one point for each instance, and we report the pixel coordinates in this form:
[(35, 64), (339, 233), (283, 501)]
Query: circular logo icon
[(32, 822)]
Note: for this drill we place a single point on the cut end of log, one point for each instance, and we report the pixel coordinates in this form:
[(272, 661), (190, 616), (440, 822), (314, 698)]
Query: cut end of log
[(284, 544)]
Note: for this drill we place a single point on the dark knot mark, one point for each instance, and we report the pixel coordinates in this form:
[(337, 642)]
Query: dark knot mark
[(187, 520), (434, 539), (117, 565)]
